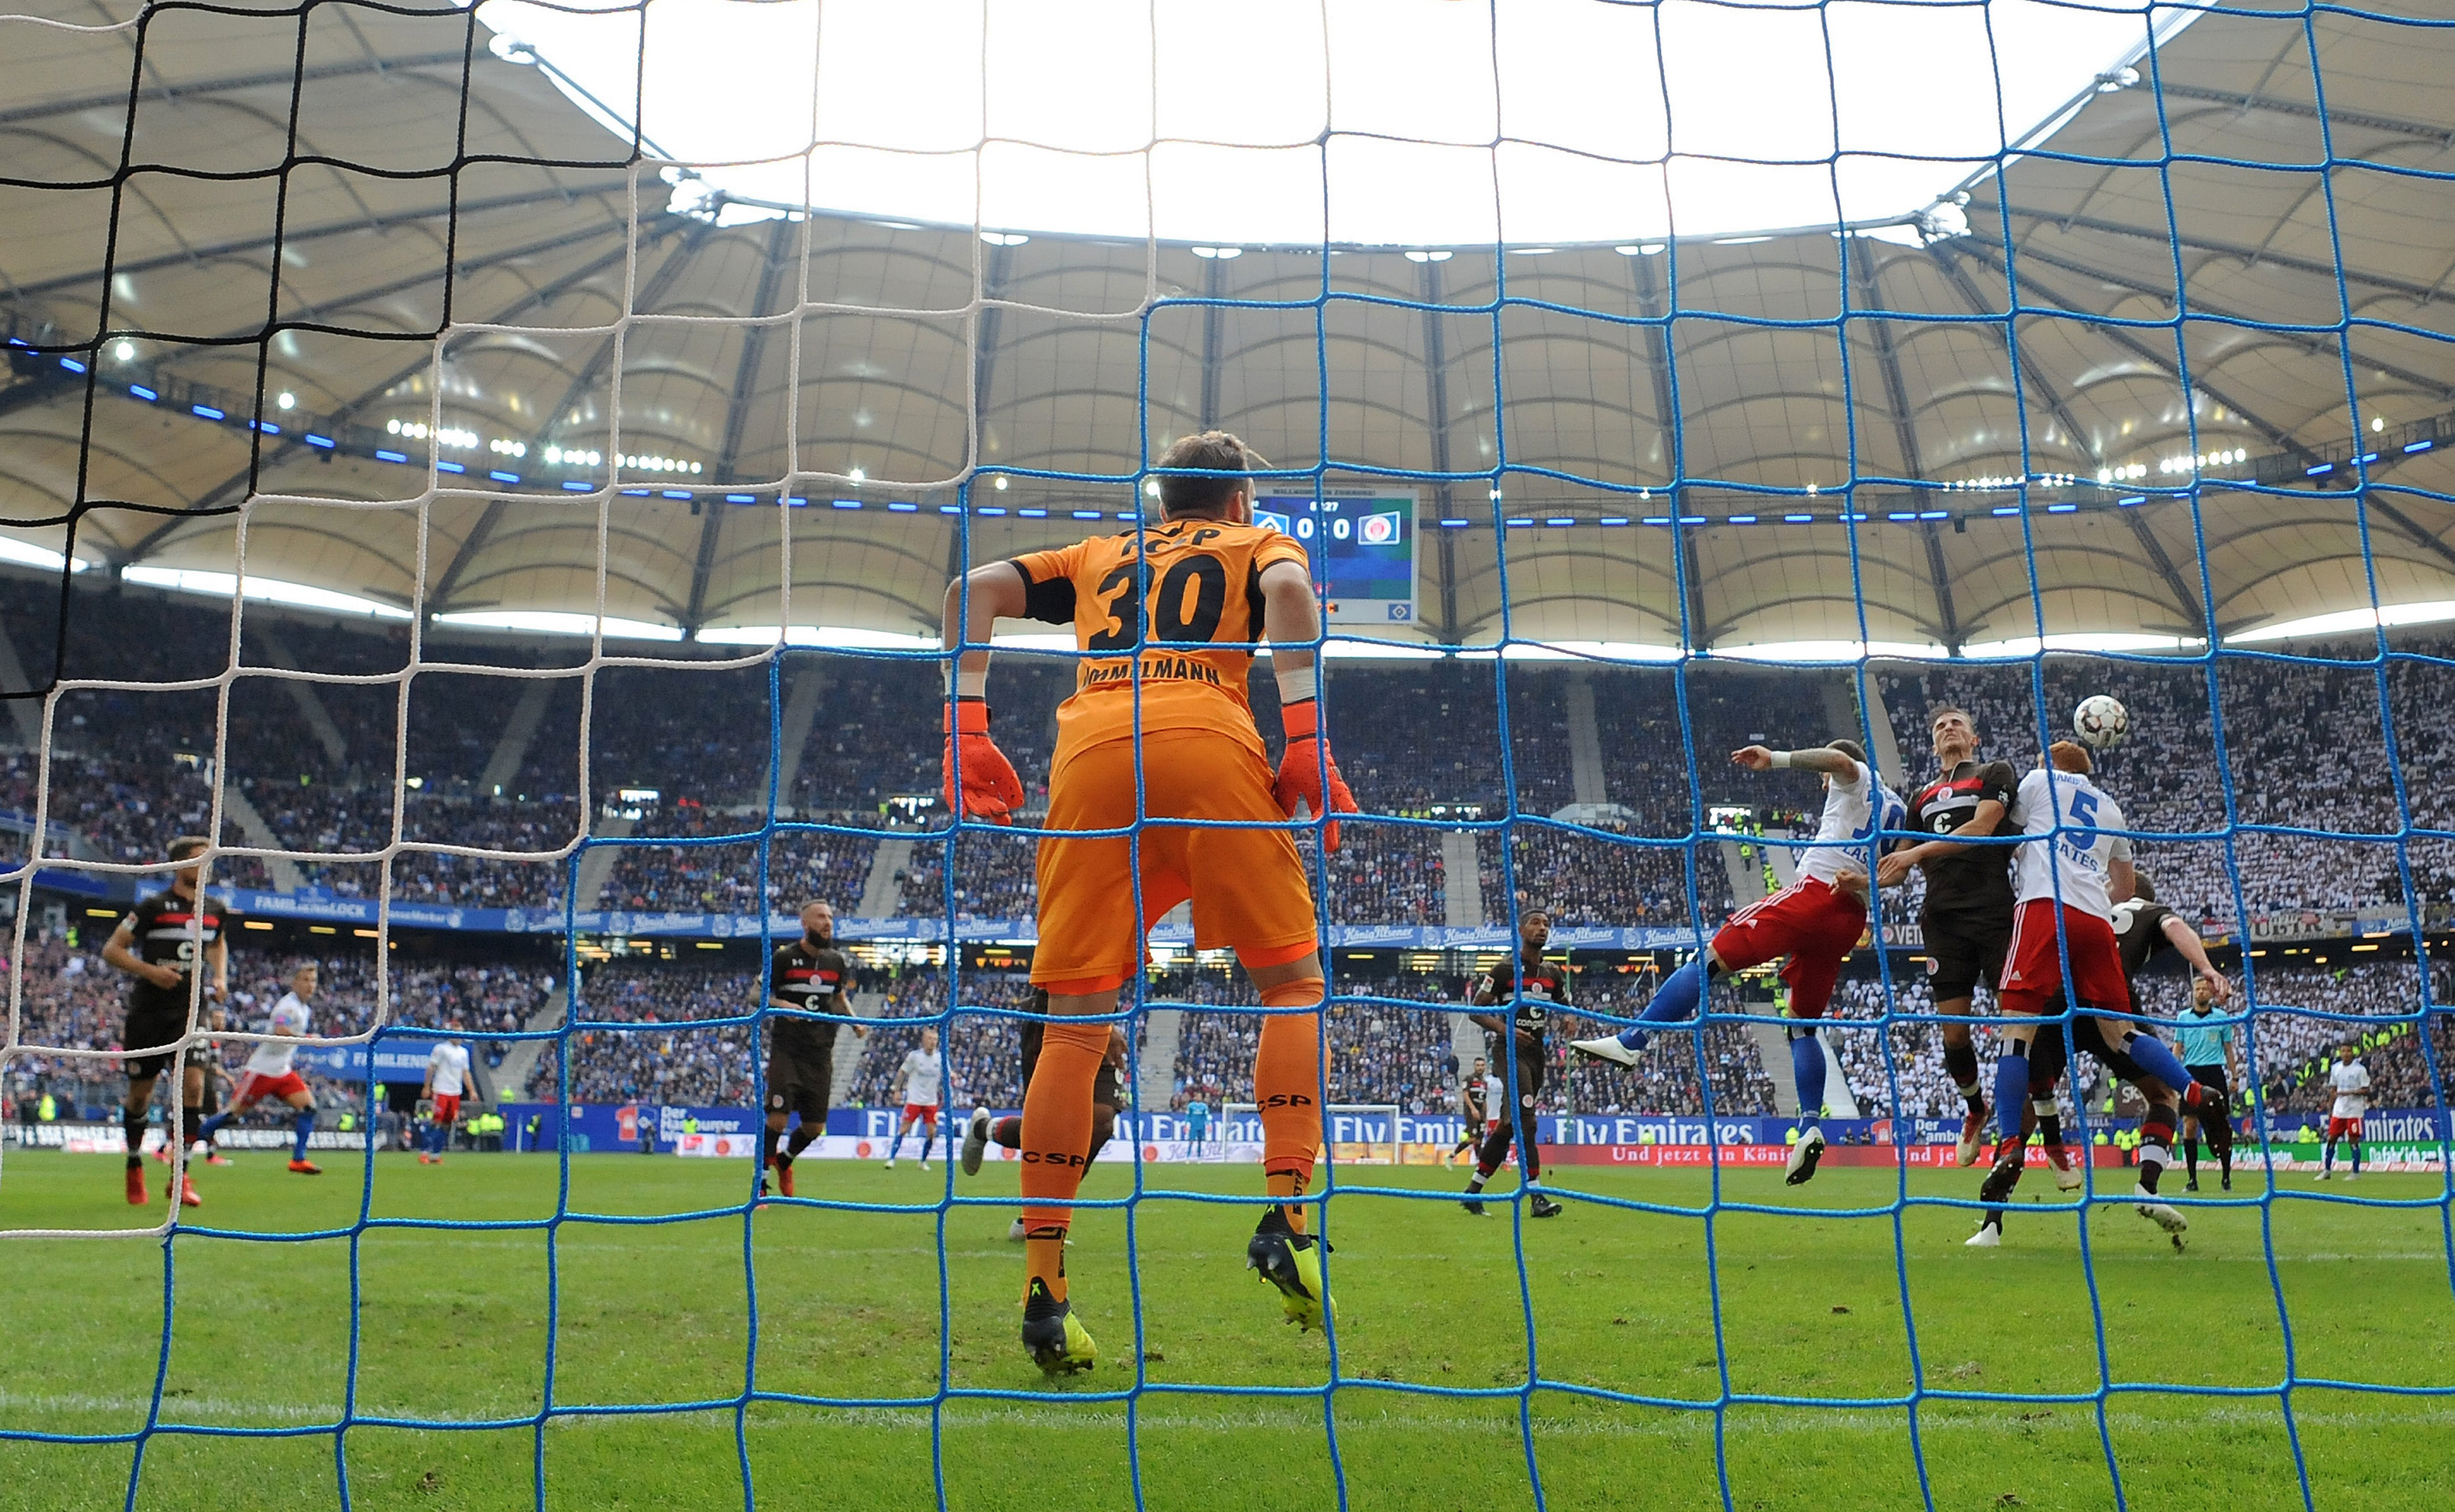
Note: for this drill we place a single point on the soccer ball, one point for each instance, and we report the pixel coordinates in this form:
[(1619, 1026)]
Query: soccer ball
[(2100, 722)]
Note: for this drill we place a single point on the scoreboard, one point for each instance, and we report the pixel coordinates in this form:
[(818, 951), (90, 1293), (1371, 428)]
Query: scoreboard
[(1362, 543)]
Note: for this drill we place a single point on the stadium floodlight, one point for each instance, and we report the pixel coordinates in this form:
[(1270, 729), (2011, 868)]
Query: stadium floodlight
[(933, 111)]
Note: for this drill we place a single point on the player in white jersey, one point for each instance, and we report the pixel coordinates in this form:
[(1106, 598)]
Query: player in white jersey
[(1816, 922), (447, 1075), (2351, 1080), (923, 1077), (268, 1072), (2072, 866)]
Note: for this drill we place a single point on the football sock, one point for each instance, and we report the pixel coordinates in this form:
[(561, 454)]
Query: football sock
[(2012, 1093), (2160, 1062), (1008, 1131), (1807, 1068), (1475, 1183), (896, 1148), (1057, 1116), (2357, 1154), (1286, 1083), (1529, 1152), (302, 1126), (2049, 1118), (801, 1139), (191, 1123), (1495, 1149), (132, 1124), (1960, 1064), (2225, 1162), (2156, 1136), (1677, 998), (2327, 1156)]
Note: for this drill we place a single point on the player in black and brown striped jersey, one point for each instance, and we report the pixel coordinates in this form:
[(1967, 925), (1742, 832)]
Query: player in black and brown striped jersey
[(159, 943), (813, 975), (1967, 918), (1530, 987)]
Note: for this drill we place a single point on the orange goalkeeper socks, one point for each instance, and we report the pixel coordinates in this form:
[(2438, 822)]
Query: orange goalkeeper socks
[(1286, 1083), (1056, 1131)]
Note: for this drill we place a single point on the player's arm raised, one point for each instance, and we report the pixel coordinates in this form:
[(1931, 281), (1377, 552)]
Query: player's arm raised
[(975, 602), (1291, 623), (1819, 759), (2186, 939)]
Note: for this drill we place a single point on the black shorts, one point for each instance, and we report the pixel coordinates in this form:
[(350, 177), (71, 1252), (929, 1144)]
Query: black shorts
[(1964, 949), (801, 1080), (1105, 1089), (2213, 1077), (1530, 1075), (151, 1027)]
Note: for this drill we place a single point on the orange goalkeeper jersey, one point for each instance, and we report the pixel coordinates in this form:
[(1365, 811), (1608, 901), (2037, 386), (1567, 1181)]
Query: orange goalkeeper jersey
[(1186, 595)]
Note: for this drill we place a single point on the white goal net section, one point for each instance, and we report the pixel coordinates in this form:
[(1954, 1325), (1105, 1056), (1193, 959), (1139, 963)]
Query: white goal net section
[(1356, 1134)]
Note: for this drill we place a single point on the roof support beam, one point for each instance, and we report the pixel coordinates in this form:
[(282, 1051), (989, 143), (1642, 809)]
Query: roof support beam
[(2366, 120), (2185, 596), (1436, 399), (2314, 345), (2422, 537), (2032, 375), (995, 266), (2282, 435), (209, 502), (295, 235), (1650, 303), (234, 84), (1214, 317), (736, 417), (1897, 400), (2226, 249)]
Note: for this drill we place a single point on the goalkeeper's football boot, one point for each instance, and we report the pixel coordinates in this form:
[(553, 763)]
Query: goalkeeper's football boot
[(1540, 1206), (1605, 1047), (1292, 1263), (975, 1140), (1989, 1235), (137, 1195), (181, 1190), (1058, 1343)]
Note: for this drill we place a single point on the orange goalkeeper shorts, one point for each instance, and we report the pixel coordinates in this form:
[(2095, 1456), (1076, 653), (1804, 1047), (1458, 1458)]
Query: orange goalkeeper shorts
[(1248, 885)]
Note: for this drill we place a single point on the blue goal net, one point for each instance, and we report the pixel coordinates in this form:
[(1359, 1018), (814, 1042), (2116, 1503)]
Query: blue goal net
[(495, 472)]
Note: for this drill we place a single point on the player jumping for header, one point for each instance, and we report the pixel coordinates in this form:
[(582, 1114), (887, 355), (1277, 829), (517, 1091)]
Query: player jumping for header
[(1966, 920), (2070, 870), (159, 942), (1159, 729), (1816, 922), (269, 1073)]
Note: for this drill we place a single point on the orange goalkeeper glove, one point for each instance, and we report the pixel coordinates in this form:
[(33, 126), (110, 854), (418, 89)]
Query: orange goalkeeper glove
[(1303, 767), (991, 791)]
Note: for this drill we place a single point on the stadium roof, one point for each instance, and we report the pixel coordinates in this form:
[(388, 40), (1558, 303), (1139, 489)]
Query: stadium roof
[(834, 359)]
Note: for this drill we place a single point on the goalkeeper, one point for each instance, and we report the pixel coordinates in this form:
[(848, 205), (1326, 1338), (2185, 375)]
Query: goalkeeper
[(1158, 730)]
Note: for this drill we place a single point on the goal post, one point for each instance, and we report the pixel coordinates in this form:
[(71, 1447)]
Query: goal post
[(1355, 1134)]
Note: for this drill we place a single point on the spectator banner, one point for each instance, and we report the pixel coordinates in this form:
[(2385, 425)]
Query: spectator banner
[(397, 1058)]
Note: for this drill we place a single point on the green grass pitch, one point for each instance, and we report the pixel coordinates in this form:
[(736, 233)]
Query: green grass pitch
[(456, 1325)]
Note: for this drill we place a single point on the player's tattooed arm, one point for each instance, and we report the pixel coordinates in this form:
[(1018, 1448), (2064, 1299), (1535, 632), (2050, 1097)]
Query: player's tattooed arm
[(1819, 759)]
